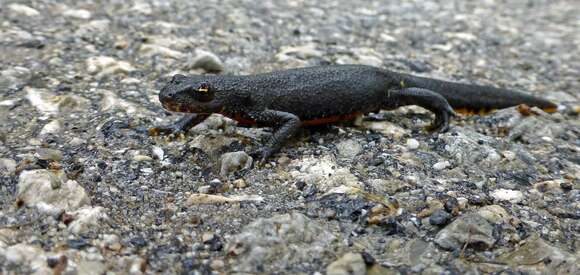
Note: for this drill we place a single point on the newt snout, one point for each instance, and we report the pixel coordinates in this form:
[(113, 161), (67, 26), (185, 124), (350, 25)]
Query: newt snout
[(186, 95)]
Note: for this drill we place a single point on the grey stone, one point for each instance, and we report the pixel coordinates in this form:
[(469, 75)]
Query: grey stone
[(50, 192), (470, 229), (234, 161), (348, 264), (207, 61), (349, 148), (278, 243)]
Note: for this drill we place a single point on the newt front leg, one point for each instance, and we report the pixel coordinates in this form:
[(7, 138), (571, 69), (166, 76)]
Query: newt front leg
[(179, 127)]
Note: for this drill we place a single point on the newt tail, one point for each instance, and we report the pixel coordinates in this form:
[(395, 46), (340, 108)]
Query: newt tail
[(472, 99)]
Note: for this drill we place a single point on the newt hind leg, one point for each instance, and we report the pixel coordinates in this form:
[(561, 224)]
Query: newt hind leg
[(427, 99)]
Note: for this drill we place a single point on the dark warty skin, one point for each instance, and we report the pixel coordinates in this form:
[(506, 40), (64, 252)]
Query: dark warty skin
[(286, 100)]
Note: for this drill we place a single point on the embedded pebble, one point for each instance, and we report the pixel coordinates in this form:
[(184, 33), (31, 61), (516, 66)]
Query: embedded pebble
[(439, 217), (301, 52), (349, 148), (266, 242), (150, 50), (26, 255), (112, 242), (513, 196), (48, 154), (348, 264), (207, 61), (234, 161), (51, 104), (441, 165), (240, 183), (412, 144), (386, 128), (7, 166), (195, 199), (87, 219), (112, 101), (50, 192), (104, 65), (23, 10), (78, 14), (470, 229), (53, 127)]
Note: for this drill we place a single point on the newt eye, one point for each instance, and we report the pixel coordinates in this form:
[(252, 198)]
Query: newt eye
[(203, 87), (203, 92)]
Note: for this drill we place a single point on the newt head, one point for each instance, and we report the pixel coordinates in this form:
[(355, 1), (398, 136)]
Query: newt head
[(193, 94)]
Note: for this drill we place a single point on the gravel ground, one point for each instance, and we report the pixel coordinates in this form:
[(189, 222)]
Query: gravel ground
[(85, 190)]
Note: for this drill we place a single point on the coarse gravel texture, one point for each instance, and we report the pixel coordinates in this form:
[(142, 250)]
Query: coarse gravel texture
[(85, 190)]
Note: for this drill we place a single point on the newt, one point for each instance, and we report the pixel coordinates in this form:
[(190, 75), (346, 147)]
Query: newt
[(286, 100)]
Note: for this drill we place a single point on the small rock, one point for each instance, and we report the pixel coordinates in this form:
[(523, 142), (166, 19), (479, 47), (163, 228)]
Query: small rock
[(142, 158), (205, 189), (50, 192), (26, 255), (195, 199), (48, 154), (470, 229), (150, 50), (112, 101), (9, 103), (494, 214), (78, 14), (386, 128), (267, 242), (550, 186), (513, 196), (207, 61), (7, 166), (240, 183), (112, 242), (217, 186), (234, 161), (440, 217), (370, 60), (441, 165), (217, 264), (23, 10), (158, 152), (301, 52), (349, 148), (95, 26), (7, 236), (14, 77), (105, 66), (542, 257), (412, 144), (75, 141), (323, 173), (53, 127), (87, 219), (48, 103), (92, 267), (211, 145), (348, 264), (284, 160)]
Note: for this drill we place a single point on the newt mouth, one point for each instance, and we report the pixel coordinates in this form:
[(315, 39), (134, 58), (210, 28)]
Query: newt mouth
[(175, 107), (200, 108)]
